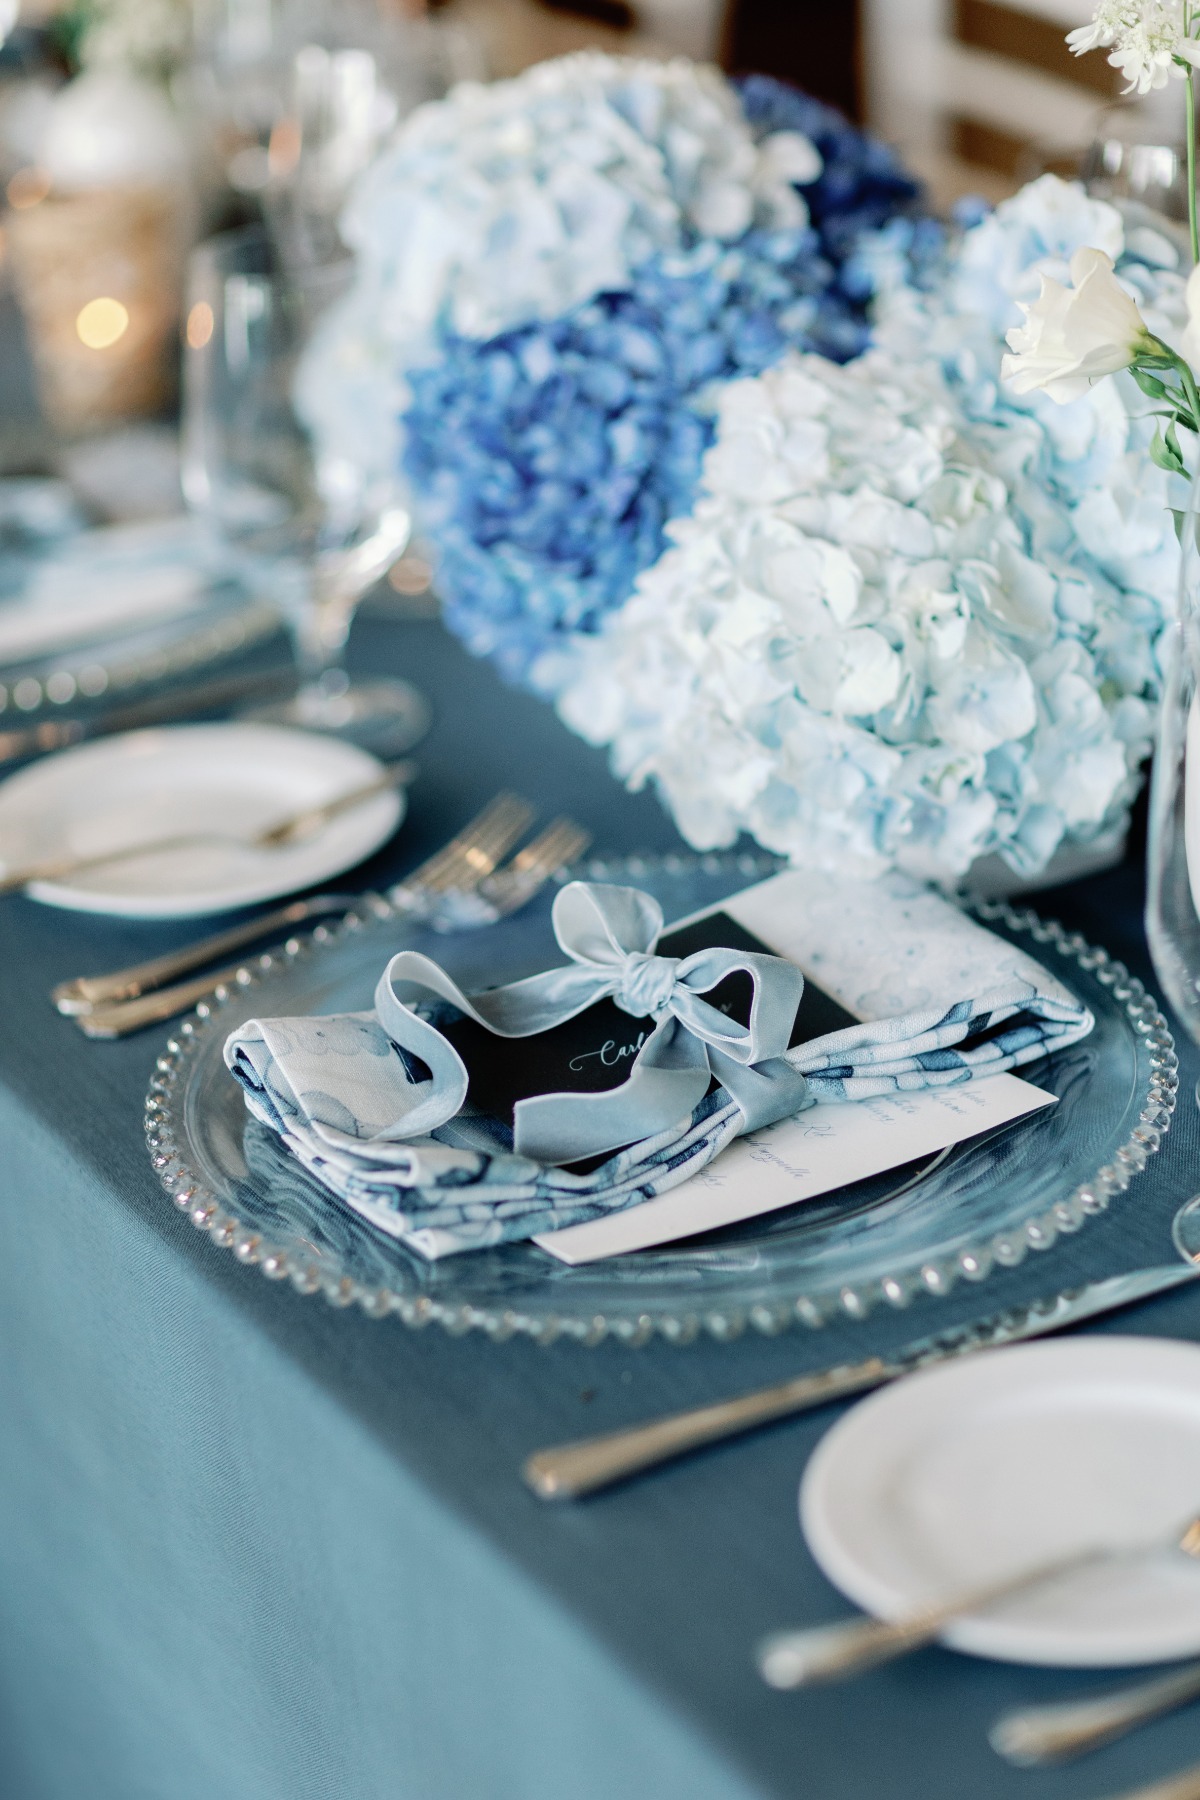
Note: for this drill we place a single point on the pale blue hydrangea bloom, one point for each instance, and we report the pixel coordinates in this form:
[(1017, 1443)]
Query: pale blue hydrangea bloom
[(516, 201), (545, 461), (912, 619)]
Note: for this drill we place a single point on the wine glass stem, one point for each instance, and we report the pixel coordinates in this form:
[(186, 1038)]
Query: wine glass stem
[(319, 630)]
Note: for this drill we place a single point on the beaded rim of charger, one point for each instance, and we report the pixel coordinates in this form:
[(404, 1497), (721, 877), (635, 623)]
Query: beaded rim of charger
[(114, 671), (1006, 1248)]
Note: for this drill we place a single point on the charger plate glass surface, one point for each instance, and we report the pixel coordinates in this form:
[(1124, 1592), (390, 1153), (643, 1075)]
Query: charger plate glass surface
[(957, 1216), (87, 615)]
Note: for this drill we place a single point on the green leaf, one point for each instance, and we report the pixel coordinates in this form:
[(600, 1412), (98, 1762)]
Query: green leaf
[(1180, 517), (1149, 384), (1173, 444), (1165, 454)]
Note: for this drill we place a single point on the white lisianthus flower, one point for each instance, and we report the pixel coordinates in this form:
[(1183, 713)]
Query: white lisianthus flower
[(1073, 336), (1147, 38)]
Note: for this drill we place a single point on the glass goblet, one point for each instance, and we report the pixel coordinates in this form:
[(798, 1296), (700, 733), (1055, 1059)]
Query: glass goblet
[(1173, 853), (314, 538)]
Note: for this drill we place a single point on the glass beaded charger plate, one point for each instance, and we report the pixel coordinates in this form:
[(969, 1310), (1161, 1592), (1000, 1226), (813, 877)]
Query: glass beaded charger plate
[(956, 1216), (88, 614)]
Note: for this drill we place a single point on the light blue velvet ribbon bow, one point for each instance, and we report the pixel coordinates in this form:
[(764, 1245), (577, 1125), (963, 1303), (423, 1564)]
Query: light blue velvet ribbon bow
[(610, 934)]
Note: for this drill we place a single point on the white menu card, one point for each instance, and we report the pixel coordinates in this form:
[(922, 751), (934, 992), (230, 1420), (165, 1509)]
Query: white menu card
[(879, 948)]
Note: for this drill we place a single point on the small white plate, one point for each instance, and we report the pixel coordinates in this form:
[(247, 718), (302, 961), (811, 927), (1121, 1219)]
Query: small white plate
[(233, 778), (973, 1470)]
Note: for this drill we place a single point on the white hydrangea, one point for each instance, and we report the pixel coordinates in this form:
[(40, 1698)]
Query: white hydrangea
[(913, 618), (1147, 39), (515, 201)]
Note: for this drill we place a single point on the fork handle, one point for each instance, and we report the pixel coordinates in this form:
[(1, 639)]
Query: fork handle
[(124, 1016), (1185, 1786), (1044, 1734), (792, 1659), (568, 1471), (87, 991)]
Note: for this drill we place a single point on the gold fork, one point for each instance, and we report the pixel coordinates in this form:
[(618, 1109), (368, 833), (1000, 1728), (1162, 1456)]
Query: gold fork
[(561, 843), (548, 853), (473, 851), (281, 834)]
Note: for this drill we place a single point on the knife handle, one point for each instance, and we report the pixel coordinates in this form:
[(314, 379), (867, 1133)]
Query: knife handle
[(1047, 1734), (568, 1471)]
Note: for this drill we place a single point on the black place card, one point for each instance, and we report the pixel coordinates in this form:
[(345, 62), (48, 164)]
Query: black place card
[(596, 1050)]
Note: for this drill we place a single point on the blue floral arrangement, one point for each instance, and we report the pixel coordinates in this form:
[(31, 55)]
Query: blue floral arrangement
[(913, 617), (545, 458), (547, 461)]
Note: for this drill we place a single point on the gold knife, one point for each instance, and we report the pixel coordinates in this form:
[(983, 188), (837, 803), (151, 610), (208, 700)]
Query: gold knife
[(568, 1471)]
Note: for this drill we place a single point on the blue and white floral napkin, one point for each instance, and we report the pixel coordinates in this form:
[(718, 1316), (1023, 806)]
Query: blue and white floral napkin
[(941, 1001)]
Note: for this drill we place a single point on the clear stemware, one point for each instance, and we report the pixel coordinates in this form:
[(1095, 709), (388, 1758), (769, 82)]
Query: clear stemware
[(1173, 856), (314, 543), (1138, 158), (298, 97)]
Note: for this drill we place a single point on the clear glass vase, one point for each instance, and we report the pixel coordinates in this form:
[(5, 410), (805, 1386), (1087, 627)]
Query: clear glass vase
[(1173, 854)]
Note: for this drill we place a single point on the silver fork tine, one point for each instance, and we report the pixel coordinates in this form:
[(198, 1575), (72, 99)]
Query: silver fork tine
[(485, 839)]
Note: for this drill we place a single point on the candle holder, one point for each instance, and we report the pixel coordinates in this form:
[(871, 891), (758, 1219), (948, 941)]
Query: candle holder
[(99, 276)]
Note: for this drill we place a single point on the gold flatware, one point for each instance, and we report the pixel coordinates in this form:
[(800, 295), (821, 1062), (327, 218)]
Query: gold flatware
[(482, 842), (85, 991), (569, 1471), (561, 843), (281, 834), (792, 1659), (543, 858), (1033, 1735)]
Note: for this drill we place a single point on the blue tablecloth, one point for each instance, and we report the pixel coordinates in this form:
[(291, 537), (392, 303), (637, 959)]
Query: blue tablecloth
[(255, 1549)]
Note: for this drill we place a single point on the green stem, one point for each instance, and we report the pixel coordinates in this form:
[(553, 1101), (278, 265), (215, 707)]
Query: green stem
[(1189, 388), (1191, 166)]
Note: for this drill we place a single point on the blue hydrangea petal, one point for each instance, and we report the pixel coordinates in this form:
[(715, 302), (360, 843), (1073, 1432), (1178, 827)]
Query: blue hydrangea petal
[(547, 462)]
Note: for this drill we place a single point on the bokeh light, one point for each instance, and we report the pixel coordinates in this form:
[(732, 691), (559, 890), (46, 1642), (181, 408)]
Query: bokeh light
[(102, 323), (200, 325)]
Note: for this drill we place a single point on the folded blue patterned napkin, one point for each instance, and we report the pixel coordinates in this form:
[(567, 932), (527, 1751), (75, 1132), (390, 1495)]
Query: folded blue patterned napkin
[(374, 1105)]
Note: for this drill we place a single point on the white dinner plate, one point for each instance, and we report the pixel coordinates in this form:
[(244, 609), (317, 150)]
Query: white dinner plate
[(976, 1469), (232, 778)]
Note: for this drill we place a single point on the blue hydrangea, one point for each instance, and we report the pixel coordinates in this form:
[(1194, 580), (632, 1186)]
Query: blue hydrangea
[(863, 183), (547, 460), (914, 618)]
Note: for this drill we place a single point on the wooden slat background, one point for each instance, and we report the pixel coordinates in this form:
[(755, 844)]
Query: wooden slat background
[(980, 94)]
